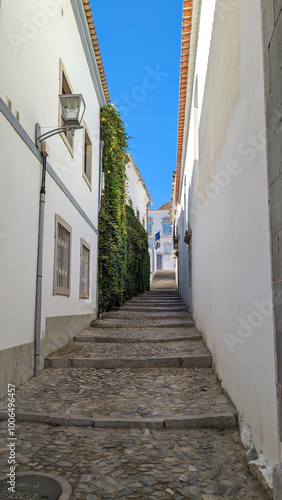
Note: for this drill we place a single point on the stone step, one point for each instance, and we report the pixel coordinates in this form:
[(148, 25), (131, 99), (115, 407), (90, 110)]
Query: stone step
[(157, 296), (117, 394), (210, 421), (128, 340), (153, 308), (122, 314), (114, 323), (154, 304), (192, 361), (137, 335)]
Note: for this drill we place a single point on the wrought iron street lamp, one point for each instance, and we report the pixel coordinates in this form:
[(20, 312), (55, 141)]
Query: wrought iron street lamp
[(72, 108)]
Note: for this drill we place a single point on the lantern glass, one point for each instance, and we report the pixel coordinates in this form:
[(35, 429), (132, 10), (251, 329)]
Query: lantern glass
[(73, 107)]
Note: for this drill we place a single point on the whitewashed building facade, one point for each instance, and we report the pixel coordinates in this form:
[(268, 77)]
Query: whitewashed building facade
[(161, 250), (138, 198), (221, 192), (48, 48)]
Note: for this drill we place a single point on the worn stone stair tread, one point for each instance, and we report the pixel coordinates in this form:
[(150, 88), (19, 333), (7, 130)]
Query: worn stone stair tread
[(190, 361), (215, 421), (127, 340), (112, 323), (123, 393), (133, 315), (137, 335), (154, 308), (129, 350)]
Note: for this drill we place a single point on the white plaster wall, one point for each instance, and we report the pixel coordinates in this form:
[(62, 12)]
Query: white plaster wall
[(58, 305), (230, 223), (136, 193), (19, 207), (33, 38), (168, 263), (32, 54)]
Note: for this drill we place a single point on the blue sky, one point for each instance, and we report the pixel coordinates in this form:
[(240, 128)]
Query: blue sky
[(140, 43)]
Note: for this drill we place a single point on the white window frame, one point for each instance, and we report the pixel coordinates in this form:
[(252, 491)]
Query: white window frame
[(86, 135), (57, 290), (83, 295)]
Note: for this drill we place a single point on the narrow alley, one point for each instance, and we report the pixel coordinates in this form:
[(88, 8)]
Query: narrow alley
[(131, 408)]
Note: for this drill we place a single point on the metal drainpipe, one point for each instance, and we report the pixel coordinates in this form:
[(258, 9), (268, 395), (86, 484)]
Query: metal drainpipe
[(38, 302)]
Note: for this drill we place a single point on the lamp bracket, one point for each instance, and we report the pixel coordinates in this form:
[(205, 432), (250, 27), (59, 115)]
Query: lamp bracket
[(42, 137)]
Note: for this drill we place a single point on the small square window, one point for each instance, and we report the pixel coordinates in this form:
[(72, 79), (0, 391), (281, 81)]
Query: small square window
[(168, 249), (84, 270), (62, 257), (87, 157)]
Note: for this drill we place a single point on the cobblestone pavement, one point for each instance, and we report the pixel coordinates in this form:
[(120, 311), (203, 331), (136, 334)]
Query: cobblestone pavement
[(164, 279), (196, 465), (113, 350), (144, 334), (168, 461), (141, 322), (117, 393)]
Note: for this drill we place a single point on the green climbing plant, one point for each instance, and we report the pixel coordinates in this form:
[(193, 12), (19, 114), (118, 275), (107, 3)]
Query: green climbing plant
[(124, 265)]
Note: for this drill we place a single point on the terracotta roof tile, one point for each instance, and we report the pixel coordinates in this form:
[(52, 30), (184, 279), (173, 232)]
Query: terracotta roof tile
[(184, 63), (93, 34)]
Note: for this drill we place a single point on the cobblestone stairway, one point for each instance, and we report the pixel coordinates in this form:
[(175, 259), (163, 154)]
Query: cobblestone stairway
[(132, 409)]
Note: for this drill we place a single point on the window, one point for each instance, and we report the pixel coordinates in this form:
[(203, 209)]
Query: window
[(150, 227), (65, 88), (84, 269), (130, 203), (137, 214), (87, 156), (62, 258), (167, 249), (167, 228), (143, 221)]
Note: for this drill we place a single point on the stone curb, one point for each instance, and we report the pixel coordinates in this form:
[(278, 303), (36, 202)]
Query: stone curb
[(129, 423), (213, 421), (51, 419), (130, 340), (100, 324), (192, 361), (216, 421)]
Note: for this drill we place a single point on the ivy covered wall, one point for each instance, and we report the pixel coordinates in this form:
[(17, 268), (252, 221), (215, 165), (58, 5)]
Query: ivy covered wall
[(124, 264)]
